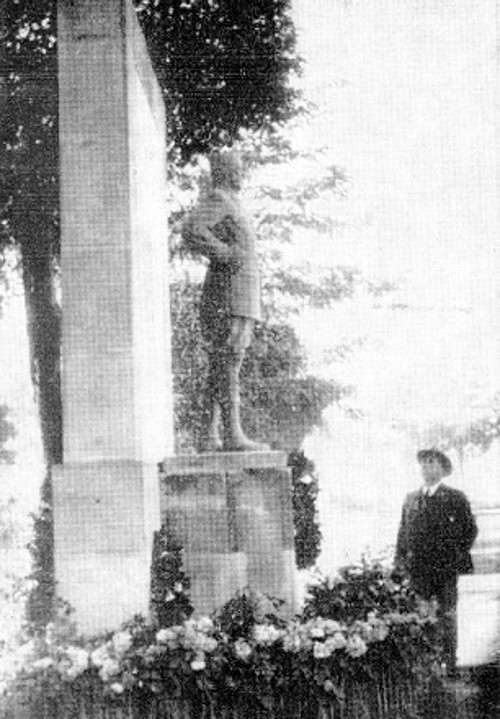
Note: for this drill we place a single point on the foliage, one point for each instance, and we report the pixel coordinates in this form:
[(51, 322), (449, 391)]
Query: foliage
[(467, 438), (371, 585), (29, 151), (170, 602), (41, 599), (307, 536), (239, 616), (304, 200), (245, 660), (224, 67)]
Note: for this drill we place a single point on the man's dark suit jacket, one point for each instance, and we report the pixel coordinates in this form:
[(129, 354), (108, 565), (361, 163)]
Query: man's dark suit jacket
[(436, 534)]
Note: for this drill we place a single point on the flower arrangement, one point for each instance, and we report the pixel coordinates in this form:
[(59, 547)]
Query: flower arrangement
[(373, 584), (246, 660)]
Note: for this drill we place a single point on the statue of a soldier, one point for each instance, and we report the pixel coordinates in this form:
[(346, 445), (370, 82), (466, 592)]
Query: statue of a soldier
[(230, 302)]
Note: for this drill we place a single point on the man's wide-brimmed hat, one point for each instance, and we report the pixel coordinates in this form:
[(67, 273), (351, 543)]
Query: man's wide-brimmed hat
[(442, 459)]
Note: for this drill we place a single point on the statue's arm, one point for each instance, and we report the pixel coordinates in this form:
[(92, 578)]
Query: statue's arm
[(198, 234)]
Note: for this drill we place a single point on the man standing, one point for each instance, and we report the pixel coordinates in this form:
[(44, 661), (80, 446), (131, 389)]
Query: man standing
[(230, 304), (435, 536)]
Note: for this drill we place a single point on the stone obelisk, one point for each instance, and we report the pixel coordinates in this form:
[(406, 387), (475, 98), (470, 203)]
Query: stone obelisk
[(117, 395)]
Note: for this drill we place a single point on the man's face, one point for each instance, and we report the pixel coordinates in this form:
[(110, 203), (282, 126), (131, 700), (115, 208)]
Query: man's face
[(432, 470)]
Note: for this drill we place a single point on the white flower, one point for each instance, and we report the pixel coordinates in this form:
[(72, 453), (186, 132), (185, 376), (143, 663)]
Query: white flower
[(79, 659), (380, 631), (166, 636), (266, 634), (198, 663), (43, 663), (99, 656), (336, 641), (205, 644), (242, 649), (356, 646), (322, 650), (331, 626), (122, 641), (109, 668), (317, 631), (366, 631), (117, 688), (69, 672), (292, 641), (205, 624)]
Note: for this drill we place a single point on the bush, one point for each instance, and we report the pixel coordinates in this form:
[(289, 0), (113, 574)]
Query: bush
[(357, 589), (246, 660)]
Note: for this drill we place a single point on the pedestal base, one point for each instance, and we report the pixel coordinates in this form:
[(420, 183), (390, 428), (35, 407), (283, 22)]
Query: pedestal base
[(105, 514), (232, 513)]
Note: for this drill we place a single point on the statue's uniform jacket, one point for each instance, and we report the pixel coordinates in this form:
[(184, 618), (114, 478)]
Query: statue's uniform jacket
[(231, 288)]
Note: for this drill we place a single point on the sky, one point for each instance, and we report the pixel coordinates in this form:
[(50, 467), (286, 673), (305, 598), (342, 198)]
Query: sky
[(406, 93), (406, 97)]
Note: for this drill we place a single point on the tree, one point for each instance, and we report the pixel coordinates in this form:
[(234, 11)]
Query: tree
[(29, 220), (471, 437), (224, 67)]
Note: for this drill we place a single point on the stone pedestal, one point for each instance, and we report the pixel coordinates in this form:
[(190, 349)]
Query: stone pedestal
[(105, 515), (232, 512), (117, 396), (479, 595)]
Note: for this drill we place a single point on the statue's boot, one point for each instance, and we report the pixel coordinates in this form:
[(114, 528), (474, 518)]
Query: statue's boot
[(211, 440), (235, 439)]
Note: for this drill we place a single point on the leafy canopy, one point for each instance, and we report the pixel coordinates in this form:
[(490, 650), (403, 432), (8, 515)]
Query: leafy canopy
[(224, 66)]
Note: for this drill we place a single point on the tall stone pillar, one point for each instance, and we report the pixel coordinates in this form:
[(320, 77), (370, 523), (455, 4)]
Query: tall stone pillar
[(117, 396)]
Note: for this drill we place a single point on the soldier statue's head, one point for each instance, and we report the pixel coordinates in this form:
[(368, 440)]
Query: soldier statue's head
[(226, 169)]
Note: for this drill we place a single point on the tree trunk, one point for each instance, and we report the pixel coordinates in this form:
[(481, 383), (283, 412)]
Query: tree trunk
[(44, 331)]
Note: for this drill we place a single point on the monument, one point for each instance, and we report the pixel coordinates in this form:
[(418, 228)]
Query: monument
[(231, 510), (231, 506), (117, 396)]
